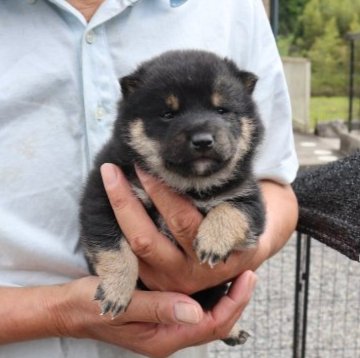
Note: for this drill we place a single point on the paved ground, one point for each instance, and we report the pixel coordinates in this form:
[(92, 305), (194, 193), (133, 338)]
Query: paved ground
[(334, 301), (333, 312), (314, 150)]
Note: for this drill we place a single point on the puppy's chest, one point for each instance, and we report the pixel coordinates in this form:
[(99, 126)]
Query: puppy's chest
[(204, 206)]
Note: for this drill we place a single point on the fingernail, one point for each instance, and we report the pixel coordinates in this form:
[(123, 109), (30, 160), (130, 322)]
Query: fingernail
[(108, 173), (187, 313)]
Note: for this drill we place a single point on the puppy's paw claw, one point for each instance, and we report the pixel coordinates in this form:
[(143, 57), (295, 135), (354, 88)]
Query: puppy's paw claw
[(209, 257), (211, 253), (99, 294), (111, 304)]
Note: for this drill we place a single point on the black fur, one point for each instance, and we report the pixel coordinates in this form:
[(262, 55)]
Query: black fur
[(197, 139)]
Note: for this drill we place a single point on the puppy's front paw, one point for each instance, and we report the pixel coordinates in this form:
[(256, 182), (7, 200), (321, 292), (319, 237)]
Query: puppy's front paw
[(210, 247), (118, 272), (224, 229), (112, 298)]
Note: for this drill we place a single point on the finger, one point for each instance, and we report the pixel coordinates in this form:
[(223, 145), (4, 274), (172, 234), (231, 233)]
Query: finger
[(217, 323), (230, 307), (162, 307), (236, 299), (180, 215), (142, 234)]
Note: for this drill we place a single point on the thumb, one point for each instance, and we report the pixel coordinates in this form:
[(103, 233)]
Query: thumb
[(162, 307), (140, 231)]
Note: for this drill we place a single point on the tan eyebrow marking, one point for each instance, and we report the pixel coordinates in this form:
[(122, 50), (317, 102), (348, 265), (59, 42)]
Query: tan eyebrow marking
[(216, 99), (173, 102)]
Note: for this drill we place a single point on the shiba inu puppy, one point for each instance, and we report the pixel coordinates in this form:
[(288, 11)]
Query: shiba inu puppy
[(187, 118)]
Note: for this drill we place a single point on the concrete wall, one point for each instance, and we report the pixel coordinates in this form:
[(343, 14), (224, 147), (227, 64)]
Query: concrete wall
[(298, 77)]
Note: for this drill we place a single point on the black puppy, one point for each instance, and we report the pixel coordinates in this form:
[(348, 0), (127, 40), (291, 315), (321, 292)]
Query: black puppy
[(188, 118)]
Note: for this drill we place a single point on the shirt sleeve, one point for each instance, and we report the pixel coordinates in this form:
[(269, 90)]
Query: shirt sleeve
[(276, 158)]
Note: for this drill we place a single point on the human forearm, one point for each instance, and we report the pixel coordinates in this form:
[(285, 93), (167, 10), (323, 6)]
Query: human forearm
[(281, 215), (155, 323), (66, 310), (69, 310), (27, 313)]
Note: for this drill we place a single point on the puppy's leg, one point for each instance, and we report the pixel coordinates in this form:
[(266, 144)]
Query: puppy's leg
[(108, 253), (118, 272), (229, 226), (223, 229)]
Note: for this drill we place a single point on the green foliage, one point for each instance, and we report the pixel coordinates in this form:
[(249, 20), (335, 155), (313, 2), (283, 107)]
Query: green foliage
[(312, 23), (284, 44), (318, 33), (324, 109), (355, 23), (328, 56), (345, 12), (289, 13)]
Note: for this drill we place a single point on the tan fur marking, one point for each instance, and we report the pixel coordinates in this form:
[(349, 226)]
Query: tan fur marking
[(150, 151), (145, 146), (224, 229), (141, 194), (246, 135), (173, 102), (216, 99), (118, 272)]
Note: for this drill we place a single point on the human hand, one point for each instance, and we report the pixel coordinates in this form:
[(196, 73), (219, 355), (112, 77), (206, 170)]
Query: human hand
[(156, 323), (163, 266)]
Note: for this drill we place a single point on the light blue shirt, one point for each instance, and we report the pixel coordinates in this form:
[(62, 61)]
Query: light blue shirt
[(58, 98)]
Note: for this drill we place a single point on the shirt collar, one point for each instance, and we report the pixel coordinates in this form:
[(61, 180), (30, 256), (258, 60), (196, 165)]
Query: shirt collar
[(113, 8)]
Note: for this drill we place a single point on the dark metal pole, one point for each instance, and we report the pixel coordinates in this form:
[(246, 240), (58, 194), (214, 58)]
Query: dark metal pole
[(351, 83), (297, 297), (302, 279), (274, 16), (306, 278)]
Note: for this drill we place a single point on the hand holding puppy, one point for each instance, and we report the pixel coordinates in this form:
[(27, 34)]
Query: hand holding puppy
[(162, 265), (155, 324)]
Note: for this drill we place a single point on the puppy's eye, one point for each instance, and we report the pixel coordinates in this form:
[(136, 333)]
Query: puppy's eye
[(167, 116), (221, 110)]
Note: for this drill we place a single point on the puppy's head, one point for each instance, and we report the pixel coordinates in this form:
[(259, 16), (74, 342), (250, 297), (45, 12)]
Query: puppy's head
[(188, 117)]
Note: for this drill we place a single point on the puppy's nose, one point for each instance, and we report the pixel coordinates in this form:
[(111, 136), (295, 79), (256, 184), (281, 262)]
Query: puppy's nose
[(202, 141)]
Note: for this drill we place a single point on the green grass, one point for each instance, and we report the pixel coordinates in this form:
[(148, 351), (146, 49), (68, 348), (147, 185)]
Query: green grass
[(328, 109)]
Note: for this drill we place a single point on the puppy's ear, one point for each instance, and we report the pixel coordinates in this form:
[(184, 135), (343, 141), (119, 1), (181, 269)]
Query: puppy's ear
[(129, 84), (247, 78)]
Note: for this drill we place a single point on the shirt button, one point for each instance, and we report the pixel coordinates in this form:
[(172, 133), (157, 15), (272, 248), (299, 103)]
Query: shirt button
[(99, 113), (90, 37)]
